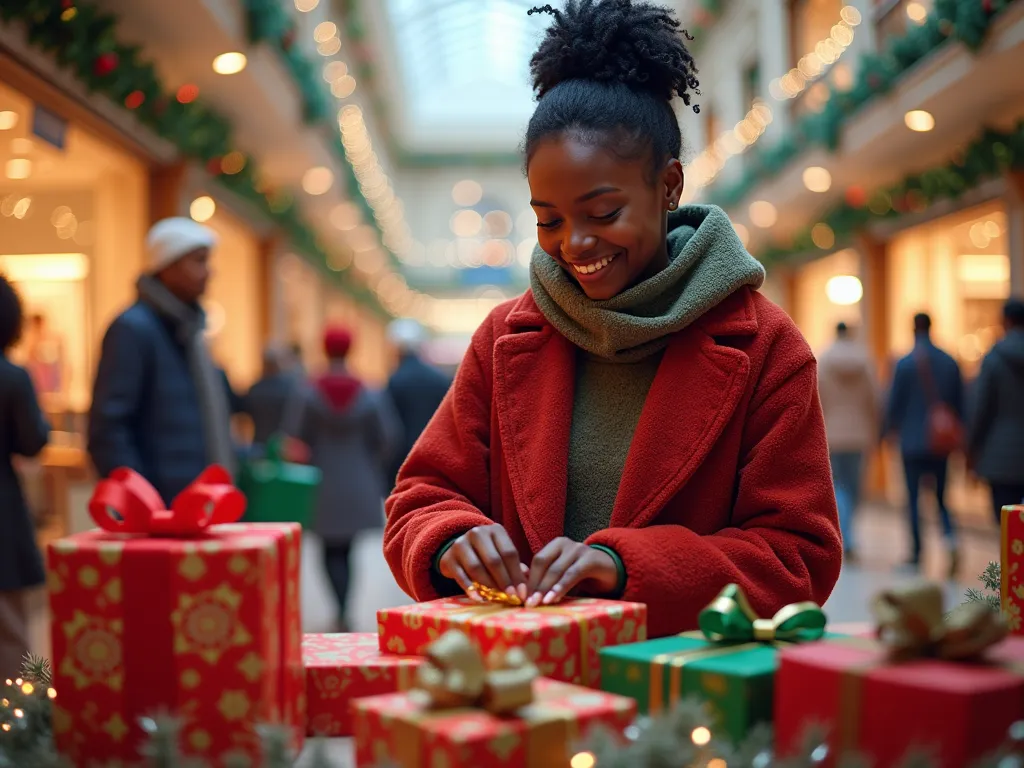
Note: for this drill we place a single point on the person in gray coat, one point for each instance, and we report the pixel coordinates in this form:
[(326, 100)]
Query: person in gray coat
[(352, 433), (995, 426)]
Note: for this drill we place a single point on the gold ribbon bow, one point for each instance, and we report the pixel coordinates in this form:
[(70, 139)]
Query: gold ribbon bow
[(731, 619), (456, 675), (911, 623)]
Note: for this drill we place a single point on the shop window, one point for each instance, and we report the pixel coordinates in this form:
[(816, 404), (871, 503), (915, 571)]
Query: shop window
[(894, 17), (828, 291)]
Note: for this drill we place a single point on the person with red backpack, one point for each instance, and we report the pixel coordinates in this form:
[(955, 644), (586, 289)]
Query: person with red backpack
[(926, 409)]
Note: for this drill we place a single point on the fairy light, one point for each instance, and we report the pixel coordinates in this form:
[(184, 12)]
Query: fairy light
[(583, 760), (6, 727), (51, 693), (701, 736), (27, 689), (706, 167), (19, 713), (17, 682)]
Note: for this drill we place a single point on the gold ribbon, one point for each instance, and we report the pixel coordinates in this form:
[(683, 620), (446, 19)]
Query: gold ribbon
[(455, 675), (911, 624)]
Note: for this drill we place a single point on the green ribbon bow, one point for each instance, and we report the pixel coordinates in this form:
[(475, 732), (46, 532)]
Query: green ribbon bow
[(730, 619)]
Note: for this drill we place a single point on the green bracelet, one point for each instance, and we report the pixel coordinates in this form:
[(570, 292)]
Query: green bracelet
[(620, 567)]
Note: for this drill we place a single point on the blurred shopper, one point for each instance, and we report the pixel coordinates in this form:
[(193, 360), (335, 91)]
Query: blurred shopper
[(268, 399), (849, 399), (160, 406), (996, 427), (352, 436), (416, 388), (926, 406), (25, 433)]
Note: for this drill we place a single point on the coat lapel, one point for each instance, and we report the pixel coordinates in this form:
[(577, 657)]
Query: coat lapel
[(534, 378), (694, 395)]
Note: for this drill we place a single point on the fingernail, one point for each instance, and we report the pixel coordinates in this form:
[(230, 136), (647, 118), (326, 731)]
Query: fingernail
[(532, 601), (523, 592), (550, 597), (511, 591)]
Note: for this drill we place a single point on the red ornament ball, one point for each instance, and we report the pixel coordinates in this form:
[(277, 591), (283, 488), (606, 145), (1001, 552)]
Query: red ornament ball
[(104, 64), (856, 197), (134, 99), (214, 166)]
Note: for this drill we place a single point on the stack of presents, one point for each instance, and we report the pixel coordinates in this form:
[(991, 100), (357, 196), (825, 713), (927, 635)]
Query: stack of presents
[(188, 611)]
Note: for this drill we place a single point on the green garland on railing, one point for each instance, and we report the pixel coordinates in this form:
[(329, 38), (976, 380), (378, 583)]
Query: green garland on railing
[(82, 39), (988, 157), (965, 20)]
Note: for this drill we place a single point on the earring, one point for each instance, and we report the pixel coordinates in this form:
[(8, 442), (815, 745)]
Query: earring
[(673, 205)]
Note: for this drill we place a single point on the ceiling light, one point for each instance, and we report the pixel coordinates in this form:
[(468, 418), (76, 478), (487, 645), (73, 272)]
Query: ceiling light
[(817, 179), (229, 63), (335, 70), (202, 208), (844, 290), (979, 237), (61, 216), (317, 180), (467, 192), (324, 31), (305, 6), (8, 120), (466, 223), (992, 229), (329, 47), (850, 15), (345, 216), (343, 87), (21, 146), (19, 168), (919, 120), (21, 208), (916, 12), (763, 214)]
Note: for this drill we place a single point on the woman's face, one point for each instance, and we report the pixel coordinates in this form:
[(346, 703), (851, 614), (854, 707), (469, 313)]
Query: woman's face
[(599, 216)]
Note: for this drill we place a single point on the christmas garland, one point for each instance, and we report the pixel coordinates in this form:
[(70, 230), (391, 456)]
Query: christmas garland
[(988, 157), (967, 21), (82, 39)]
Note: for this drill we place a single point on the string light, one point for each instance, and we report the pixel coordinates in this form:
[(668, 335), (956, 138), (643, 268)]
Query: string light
[(6, 727), (17, 682), (51, 693), (19, 713), (582, 760), (701, 736), (27, 689), (230, 63), (202, 208)]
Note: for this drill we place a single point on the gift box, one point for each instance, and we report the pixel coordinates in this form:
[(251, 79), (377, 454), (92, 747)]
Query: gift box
[(344, 667), (165, 611), (1011, 558), (562, 640), (396, 729), (951, 688), (729, 665)]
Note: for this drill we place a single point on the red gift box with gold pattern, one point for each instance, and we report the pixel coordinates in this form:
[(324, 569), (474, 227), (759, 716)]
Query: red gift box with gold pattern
[(166, 611), (1011, 572), (563, 640), (948, 684), (344, 667), (400, 729)]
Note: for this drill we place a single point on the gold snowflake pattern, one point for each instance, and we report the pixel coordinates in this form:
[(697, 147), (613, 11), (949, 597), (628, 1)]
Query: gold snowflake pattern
[(207, 624), (95, 653), (1013, 614), (1017, 546), (234, 705)]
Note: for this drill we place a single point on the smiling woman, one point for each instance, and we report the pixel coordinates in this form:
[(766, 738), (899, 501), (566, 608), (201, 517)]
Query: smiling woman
[(563, 462)]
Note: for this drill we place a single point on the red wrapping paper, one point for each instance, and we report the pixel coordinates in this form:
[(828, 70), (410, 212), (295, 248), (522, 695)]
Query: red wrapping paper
[(343, 667), (205, 628), (883, 709), (562, 640), (1011, 573), (398, 729)]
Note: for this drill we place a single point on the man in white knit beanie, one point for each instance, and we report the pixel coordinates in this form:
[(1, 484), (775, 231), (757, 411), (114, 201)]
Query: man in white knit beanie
[(160, 405)]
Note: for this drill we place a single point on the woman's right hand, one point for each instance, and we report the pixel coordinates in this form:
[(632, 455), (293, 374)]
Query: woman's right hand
[(486, 555)]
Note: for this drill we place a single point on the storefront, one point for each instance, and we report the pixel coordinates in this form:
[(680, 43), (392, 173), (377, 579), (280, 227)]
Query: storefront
[(824, 293)]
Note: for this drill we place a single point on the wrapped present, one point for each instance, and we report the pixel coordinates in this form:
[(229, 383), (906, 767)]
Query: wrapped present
[(468, 712), (343, 667), (950, 684), (562, 640), (174, 611), (730, 663), (1011, 558)]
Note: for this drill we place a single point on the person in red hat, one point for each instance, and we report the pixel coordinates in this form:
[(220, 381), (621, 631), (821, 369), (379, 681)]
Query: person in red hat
[(353, 434)]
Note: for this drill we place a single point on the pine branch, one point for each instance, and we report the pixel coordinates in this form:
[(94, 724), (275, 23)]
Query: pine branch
[(991, 577), (37, 670)]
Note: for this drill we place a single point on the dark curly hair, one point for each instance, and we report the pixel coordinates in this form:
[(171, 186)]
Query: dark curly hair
[(11, 315), (607, 71)]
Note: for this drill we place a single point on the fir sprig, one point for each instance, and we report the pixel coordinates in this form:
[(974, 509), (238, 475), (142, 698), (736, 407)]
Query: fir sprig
[(989, 592)]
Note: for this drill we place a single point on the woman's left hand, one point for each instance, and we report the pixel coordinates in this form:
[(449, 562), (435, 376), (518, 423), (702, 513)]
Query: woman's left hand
[(562, 565)]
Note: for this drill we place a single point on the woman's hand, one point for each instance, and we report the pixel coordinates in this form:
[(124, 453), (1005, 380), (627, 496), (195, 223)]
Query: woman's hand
[(486, 555), (562, 565)]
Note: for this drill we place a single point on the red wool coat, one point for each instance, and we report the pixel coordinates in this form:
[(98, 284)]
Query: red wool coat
[(727, 478)]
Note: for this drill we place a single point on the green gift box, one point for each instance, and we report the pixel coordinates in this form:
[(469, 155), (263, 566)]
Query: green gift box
[(730, 663), (278, 491)]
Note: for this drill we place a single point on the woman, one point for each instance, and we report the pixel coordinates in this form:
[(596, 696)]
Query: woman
[(25, 433), (352, 432), (641, 424)]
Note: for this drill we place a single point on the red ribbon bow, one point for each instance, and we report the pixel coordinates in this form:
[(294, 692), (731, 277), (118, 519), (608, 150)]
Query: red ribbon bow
[(211, 500)]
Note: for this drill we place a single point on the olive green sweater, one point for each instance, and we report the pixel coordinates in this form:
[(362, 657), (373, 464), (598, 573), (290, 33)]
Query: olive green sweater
[(621, 341)]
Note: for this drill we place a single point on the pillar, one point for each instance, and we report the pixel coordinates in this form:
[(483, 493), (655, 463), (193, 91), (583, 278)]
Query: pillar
[(874, 276), (1015, 230), (167, 192)]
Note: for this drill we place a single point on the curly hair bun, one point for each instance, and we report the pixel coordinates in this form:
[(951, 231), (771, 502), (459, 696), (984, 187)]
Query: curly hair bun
[(637, 44)]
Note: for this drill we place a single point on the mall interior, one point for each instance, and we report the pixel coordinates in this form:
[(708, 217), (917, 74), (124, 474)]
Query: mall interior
[(359, 161)]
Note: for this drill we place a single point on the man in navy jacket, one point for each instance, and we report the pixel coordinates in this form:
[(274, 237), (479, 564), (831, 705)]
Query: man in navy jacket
[(159, 404), (921, 378)]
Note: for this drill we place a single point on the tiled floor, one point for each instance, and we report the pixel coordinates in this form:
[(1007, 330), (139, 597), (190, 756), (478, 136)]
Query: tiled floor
[(881, 531)]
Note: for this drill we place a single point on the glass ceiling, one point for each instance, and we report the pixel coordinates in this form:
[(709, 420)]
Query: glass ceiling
[(465, 61)]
